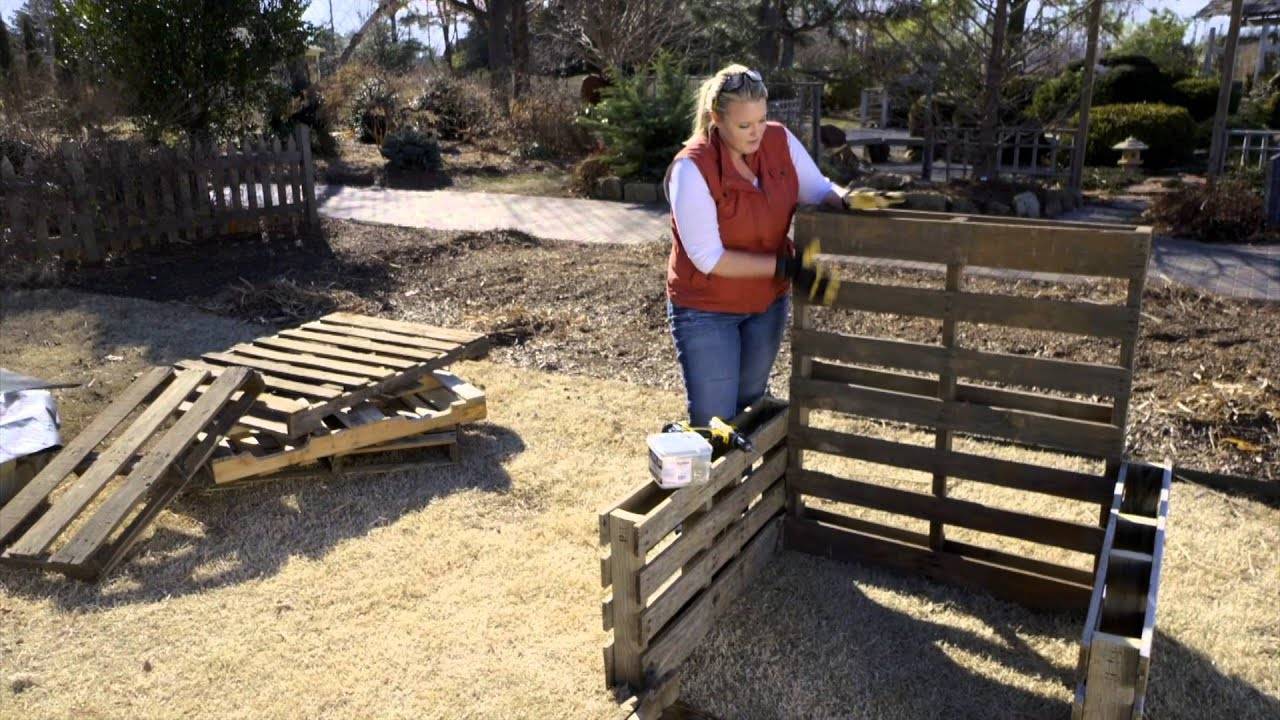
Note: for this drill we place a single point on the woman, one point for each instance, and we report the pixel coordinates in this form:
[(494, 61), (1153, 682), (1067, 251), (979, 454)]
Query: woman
[(733, 189)]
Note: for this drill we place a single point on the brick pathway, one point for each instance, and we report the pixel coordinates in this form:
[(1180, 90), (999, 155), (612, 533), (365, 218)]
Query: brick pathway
[(544, 217)]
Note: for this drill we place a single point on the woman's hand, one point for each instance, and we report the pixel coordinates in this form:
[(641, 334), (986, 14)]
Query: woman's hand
[(835, 198)]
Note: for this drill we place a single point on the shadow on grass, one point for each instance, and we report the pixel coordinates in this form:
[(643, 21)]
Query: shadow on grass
[(293, 277), (816, 638), (252, 533)]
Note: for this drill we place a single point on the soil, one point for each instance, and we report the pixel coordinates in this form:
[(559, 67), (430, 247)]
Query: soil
[(1206, 392), (467, 166)]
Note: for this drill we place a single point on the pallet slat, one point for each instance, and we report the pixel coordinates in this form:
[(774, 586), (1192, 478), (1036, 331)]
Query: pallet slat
[(972, 515), (981, 241), (154, 459), (69, 505), (20, 507)]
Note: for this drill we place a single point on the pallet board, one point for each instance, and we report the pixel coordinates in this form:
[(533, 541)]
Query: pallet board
[(334, 363), (1115, 648), (54, 522), (445, 401), (677, 558), (951, 391)]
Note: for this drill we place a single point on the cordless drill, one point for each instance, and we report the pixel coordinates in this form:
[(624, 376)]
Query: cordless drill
[(722, 436)]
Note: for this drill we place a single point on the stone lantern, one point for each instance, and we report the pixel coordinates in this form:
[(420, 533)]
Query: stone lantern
[(1130, 152)]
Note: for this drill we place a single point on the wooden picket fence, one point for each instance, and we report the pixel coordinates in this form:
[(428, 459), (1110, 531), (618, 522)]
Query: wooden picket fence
[(124, 201)]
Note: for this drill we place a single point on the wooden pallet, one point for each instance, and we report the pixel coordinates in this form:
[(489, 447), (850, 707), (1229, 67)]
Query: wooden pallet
[(152, 458), (441, 400), (957, 388), (438, 447), (322, 367), (678, 558), (1115, 649)]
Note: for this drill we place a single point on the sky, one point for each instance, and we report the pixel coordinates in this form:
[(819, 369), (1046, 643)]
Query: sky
[(348, 14)]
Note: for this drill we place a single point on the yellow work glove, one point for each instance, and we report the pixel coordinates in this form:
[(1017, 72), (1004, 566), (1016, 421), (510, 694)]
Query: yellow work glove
[(818, 282), (865, 199)]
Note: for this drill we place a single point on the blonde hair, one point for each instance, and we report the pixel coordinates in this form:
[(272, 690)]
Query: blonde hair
[(713, 98)]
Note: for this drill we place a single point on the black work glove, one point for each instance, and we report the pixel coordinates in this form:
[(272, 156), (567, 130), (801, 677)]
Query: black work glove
[(819, 283)]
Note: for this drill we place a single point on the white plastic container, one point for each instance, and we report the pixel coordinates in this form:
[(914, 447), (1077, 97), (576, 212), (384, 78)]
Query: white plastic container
[(678, 460)]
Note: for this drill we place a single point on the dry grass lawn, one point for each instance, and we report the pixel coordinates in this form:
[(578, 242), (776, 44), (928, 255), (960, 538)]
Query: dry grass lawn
[(473, 590)]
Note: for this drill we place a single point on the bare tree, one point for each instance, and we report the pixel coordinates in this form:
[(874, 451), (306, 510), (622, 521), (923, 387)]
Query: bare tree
[(619, 33)]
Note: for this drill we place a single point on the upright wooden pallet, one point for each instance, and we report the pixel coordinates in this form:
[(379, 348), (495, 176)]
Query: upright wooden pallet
[(413, 419), (335, 363), (1009, 397), (677, 558), (1115, 650), (152, 459)]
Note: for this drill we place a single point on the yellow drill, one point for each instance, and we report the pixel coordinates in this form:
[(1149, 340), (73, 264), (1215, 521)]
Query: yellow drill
[(722, 436)]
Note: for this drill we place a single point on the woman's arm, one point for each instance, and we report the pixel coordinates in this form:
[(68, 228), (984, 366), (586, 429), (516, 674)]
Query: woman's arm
[(814, 186), (695, 213)]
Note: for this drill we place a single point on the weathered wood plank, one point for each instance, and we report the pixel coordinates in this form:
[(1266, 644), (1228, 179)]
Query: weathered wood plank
[(1065, 573), (419, 330), (300, 359), (1075, 436), (626, 560), (154, 464), (979, 241), (286, 370), (683, 633), (284, 385), (725, 470), (699, 534), (972, 515), (699, 573), (965, 392), (306, 171), (1079, 318), (1009, 369), (69, 504), (1113, 667), (1030, 589), (31, 497), (979, 468)]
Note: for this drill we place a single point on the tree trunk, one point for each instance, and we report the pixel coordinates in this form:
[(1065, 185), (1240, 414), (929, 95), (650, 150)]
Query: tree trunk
[(1218, 147), (520, 47), (384, 7), (767, 44), (1017, 25), (991, 92), (1086, 96), (445, 22), (499, 12)]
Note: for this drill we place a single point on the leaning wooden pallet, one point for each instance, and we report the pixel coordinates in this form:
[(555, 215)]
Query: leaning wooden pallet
[(153, 459), (334, 363), (442, 401), (1115, 649)]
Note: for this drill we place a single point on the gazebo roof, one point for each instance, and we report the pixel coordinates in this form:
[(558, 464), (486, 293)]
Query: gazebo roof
[(1254, 12)]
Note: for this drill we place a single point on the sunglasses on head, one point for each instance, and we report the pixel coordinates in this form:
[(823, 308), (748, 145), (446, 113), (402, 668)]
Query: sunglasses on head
[(737, 80)]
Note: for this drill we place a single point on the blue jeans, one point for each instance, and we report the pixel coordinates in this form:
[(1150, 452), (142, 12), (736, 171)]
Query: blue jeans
[(726, 357)]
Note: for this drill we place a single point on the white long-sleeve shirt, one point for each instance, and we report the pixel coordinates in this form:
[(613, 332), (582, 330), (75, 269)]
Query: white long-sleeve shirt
[(695, 210)]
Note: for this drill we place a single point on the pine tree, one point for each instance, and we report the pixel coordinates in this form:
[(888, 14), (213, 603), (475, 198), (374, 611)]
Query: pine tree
[(643, 128)]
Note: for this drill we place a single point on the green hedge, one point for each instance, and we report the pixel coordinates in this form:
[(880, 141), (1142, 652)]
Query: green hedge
[(1200, 96), (1168, 130)]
